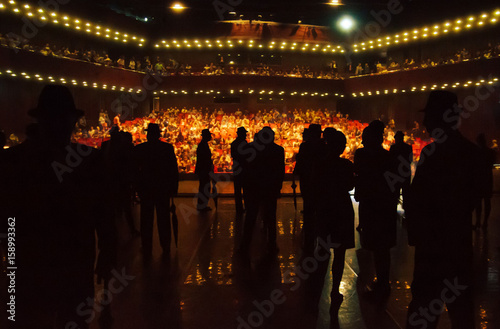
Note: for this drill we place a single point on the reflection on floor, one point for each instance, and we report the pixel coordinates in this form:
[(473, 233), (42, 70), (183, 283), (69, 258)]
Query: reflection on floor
[(204, 285)]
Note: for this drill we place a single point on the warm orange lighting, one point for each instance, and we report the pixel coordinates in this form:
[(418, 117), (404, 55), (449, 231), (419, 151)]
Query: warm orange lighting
[(178, 7)]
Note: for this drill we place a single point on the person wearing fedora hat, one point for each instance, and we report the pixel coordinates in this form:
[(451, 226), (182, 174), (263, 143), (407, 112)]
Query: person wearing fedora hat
[(55, 192), (157, 180), (309, 152), (204, 167), (238, 147), (441, 200)]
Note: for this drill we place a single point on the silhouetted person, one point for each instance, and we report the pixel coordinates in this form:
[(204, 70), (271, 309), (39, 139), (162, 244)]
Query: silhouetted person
[(377, 204), (488, 159), (157, 180), (402, 153), (3, 140), (441, 200), (55, 193), (265, 179), (309, 152), (238, 147), (117, 157), (334, 177), (204, 168)]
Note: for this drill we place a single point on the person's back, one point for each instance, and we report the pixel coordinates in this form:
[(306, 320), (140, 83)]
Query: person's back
[(443, 195), (55, 193), (157, 166), (441, 200)]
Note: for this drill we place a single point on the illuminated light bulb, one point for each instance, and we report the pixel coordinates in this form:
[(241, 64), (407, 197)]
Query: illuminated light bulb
[(53, 14), (88, 30), (77, 21), (16, 10), (65, 18), (43, 18), (471, 18), (30, 14)]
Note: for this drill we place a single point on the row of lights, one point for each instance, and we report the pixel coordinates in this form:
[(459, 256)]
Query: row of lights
[(95, 85), (229, 43), (241, 91), (465, 84), (56, 18), (65, 81), (450, 26)]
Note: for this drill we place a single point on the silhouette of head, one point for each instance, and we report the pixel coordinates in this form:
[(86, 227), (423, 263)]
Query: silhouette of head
[(335, 140), (241, 132), (399, 137), (56, 115), (266, 136), (113, 132), (372, 137), (153, 132), (206, 135), (442, 111), (314, 132)]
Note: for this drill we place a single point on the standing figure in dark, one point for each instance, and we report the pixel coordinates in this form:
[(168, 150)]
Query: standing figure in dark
[(265, 180), (310, 150), (117, 159), (204, 168), (54, 194), (441, 200), (377, 204), (488, 159), (334, 178), (402, 154), (239, 163), (157, 180)]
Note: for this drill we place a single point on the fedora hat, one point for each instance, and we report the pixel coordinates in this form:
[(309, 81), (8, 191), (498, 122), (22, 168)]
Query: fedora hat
[(55, 101), (153, 128)]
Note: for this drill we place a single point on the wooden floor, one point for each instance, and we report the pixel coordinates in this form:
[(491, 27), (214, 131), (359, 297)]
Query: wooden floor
[(204, 285)]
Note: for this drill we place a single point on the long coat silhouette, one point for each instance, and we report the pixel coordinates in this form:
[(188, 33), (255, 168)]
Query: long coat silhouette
[(157, 181), (55, 194)]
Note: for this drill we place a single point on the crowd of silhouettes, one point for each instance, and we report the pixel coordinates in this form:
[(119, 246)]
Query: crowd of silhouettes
[(63, 195)]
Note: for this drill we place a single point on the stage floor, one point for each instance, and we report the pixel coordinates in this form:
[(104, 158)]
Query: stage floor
[(203, 285)]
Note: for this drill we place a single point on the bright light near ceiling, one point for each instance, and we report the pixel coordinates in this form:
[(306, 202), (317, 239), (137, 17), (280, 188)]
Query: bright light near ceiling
[(177, 7), (346, 23), (335, 3)]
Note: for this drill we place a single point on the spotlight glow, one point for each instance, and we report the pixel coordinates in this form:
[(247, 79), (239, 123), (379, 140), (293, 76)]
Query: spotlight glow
[(346, 23)]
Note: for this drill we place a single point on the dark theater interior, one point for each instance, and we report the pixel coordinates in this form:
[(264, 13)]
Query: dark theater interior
[(242, 164)]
